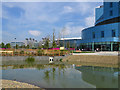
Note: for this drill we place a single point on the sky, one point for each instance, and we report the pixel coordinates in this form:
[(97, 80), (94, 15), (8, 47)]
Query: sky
[(36, 20)]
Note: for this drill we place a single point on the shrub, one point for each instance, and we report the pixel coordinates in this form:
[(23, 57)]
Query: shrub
[(30, 59), (40, 52), (22, 52), (61, 60), (16, 53)]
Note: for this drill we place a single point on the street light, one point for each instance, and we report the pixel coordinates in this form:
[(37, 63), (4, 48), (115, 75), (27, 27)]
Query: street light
[(15, 44)]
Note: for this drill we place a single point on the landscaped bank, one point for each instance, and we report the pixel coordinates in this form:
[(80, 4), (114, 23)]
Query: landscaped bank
[(93, 60), (16, 84)]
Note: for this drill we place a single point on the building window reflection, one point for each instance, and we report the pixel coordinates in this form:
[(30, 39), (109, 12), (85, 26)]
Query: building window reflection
[(113, 33), (111, 4), (102, 34), (111, 13), (93, 34)]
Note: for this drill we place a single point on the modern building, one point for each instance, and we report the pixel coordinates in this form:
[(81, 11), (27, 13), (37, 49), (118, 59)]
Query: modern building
[(31, 42), (13, 44), (70, 42), (105, 35)]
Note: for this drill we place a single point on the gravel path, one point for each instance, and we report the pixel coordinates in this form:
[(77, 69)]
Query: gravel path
[(16, 84)]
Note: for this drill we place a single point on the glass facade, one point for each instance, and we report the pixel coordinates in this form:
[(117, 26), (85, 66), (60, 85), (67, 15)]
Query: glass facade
[(93, 34), (111, 4), (102, 34), (113, 33), (111, 13)]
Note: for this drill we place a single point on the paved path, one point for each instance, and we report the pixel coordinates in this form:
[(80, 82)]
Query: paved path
[(99, 53)]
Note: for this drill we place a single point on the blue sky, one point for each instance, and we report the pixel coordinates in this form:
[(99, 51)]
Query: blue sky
[(38, 19)]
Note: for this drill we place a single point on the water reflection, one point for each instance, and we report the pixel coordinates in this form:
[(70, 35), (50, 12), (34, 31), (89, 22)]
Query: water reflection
[(100, 77), (61, 75), (47, 77)]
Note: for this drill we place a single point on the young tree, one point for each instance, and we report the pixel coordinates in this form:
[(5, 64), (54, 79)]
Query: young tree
[(8, 45), (27, 46), (46, 45), (2, 45), (54, 43), (16, 46), (68, 45)]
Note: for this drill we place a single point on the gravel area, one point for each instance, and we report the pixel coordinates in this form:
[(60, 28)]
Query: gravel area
[(16, 84)]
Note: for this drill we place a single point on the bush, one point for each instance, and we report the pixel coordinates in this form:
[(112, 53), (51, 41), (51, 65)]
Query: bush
[(30, 59), (40, 52), (61, 60), (15, 53), (22, 52)]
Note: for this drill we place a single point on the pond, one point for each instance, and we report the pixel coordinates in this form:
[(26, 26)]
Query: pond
[(61, 75)]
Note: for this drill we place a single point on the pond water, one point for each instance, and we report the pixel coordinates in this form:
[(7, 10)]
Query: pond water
[(60, 75)]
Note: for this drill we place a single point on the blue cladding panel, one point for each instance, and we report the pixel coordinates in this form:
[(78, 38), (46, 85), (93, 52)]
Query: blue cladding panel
[(88, 37), (98, 13), (106, 11)]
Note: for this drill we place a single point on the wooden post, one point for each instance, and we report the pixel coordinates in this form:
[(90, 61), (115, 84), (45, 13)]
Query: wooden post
[(47, 52), (59, 52), (12, 53)]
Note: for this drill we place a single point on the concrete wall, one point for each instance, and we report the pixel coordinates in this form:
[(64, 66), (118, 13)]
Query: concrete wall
[(8, 58), (93, 59)]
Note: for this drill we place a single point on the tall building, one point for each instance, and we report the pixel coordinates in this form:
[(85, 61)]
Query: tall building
[(105, 35)]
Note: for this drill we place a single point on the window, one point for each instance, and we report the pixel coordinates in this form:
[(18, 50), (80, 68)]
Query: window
[(93, 34), (111, 13), (111, 4), (113, 33), (102, 34)]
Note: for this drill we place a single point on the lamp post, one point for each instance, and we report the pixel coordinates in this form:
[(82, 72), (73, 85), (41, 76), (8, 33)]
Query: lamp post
[(15, 44)]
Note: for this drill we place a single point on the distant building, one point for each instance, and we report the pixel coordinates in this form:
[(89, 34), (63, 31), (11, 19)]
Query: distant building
[(31, 42), (72, 42), (36, 44), (13, 44)]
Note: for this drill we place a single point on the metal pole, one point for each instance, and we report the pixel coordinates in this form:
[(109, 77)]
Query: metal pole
[(101, 47), (15, 44), (93, 46)]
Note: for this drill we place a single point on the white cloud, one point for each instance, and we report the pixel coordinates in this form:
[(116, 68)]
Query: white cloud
[(34, 32), (89, 21), (34, 12), (46, 18), (65, 31), (58, 0), (67, 9), (70, 30), (84, 8)]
